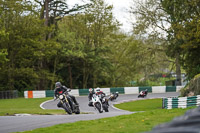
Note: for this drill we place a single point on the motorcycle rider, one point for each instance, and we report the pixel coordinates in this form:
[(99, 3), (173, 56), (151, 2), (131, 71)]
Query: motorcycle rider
[(101, 94), (115, 94), (91, 92), (60, 89), (145, 92)]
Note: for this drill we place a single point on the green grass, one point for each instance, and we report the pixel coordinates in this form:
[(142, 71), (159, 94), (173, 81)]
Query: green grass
[(141, 105), (22, 105), (134, 123)]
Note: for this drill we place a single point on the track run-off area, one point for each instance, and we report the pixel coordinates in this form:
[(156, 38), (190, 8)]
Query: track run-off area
[(29, 122)]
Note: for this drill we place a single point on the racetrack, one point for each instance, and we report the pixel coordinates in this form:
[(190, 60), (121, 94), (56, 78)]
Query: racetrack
[(23, 123)]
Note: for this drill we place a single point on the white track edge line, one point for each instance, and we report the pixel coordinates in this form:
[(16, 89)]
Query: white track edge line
[(44, 103)]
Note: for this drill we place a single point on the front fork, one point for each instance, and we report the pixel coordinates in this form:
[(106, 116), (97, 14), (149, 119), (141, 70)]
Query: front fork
[(66, 100), (100, 106)]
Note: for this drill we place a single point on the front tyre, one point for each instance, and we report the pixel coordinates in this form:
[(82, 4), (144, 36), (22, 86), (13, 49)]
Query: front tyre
[(98, 106), (67, 108)]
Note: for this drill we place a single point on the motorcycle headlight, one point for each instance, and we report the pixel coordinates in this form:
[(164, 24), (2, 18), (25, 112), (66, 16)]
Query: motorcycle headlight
[(61, 97)]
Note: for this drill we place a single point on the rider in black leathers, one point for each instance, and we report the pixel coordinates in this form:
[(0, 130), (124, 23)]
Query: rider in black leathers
[(63, 89), (90, 95)]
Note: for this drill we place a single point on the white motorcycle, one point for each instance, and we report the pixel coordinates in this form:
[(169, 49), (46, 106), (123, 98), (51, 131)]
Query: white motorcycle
[(100, 103), (97, 103)]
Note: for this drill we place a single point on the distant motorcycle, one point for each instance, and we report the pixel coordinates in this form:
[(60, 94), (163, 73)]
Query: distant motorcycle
[(143, 94), (100, 103), (113, 96), (64, 99)]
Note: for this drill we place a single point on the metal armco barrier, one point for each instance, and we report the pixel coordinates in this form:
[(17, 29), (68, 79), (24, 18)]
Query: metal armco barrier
[(188, 123), (8, 94), (181, 102)]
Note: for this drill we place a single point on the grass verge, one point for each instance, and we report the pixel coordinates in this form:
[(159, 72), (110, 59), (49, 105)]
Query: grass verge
[(134, 123), (141, 105), (22, 105)]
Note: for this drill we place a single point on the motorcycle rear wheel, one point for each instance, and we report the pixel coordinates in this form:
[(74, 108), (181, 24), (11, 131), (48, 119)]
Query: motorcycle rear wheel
[(77, 110), (105, 107)]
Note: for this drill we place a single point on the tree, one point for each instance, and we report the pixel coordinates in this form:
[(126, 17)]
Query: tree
[(154, 20), (72, 47), (84, 44), (3, 39), (101, 25), (53, 10), (24, 46), (186, 32)]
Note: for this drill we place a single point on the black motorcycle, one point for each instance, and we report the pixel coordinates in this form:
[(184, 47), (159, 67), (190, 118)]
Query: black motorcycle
[(105, 104), (67, 103), (113, 96)]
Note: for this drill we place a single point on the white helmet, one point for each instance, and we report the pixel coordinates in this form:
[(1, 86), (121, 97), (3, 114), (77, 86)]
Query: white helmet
[(98, 89)]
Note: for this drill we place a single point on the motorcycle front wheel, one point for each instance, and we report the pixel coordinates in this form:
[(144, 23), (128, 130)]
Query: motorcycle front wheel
[(98, 106), (67, 108)]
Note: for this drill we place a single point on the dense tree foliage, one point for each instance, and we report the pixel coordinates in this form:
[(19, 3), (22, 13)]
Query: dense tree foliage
[(169, 20), (185, 30), (44, 41)]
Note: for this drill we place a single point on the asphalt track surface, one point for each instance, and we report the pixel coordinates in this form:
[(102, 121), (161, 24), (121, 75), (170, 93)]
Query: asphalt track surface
[(29, 122)]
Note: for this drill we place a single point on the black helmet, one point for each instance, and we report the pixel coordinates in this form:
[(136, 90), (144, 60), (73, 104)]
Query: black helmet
[(58, 84)]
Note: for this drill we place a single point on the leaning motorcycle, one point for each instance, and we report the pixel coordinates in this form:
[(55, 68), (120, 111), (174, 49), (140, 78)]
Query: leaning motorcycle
[(113, 96), (97, 103), (142, 94), (105, 104), (65, 99), (100, 103)]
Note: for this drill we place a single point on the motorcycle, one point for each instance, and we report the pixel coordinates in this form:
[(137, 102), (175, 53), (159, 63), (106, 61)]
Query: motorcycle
[(105, 103), (113, 96), (67, 103), (143, 94), (99, 104)]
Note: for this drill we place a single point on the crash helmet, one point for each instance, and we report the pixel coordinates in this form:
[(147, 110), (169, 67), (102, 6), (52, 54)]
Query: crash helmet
[(117, 92), (90, 90), (98, 89), (58, 85)]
